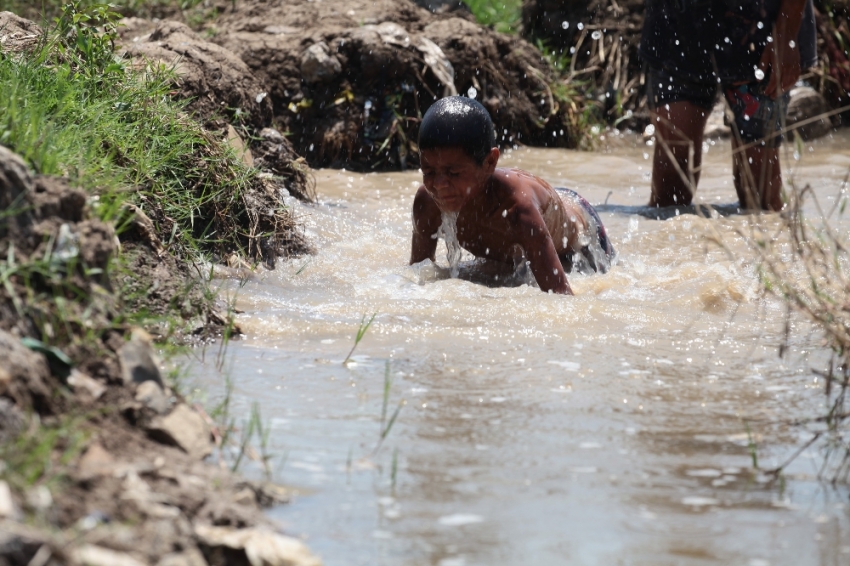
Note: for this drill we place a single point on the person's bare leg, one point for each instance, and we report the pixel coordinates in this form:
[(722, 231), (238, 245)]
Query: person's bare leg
[(679, 127), (758, 177)]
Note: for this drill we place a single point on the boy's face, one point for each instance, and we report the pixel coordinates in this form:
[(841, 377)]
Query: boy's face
[(452, 177)]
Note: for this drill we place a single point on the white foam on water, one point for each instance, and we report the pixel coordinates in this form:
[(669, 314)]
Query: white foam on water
[(460, 520)]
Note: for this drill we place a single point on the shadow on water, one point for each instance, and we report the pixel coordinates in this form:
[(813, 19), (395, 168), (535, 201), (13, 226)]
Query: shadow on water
[(668, 212)]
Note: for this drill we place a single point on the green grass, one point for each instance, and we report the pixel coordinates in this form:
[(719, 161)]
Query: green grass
[(41, 455), (503, 15), (72, 109), (46, 10)]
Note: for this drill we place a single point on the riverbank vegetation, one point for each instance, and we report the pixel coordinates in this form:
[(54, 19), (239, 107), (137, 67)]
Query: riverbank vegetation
[(114, 200)]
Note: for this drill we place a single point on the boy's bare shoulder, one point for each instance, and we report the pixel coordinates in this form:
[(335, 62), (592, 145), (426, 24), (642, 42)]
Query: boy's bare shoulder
[(519, 188)]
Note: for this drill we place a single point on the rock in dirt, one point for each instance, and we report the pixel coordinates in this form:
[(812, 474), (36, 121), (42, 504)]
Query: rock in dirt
[(138, 362), (91, 555), (318, 65), (8, 508), (185, 429), (15, 183), (260, 547), (215, 81), (18, 34), (27, 379), (808, 104), (82, 384), (96, 462), (151, 395), (273, 153), (12, 419)]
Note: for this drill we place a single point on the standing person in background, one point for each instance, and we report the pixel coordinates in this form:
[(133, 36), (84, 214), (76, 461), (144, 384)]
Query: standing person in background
[(753, 52)]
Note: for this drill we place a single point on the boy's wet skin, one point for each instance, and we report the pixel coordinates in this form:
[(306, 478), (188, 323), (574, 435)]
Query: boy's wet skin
[(501, 212)]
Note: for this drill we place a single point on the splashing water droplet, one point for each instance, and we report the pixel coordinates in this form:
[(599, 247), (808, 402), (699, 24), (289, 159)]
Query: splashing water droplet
[(472, 92), (449, 232), (504, 214), (759, 74), (596, 35), (565, 25)]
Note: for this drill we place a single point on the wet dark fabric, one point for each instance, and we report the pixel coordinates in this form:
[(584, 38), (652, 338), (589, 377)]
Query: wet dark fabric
[(756, 115), (715, 41), (605, 244)]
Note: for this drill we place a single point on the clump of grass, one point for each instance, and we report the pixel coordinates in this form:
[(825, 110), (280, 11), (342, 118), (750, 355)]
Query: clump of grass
[(43, 454), (361, 332), (194, 11), (72, 109), (503, 15)]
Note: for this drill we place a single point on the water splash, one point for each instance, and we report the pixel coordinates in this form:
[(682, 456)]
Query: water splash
[(448, 230)]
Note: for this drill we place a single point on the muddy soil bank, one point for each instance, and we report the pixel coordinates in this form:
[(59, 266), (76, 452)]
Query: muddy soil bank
[(350, 80), (102, 459)]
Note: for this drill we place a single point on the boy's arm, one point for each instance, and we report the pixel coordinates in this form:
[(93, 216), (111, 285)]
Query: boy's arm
[(426, 222), (534, 238), (779, 56)]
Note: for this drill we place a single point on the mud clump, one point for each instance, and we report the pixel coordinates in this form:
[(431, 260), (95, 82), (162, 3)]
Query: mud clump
[(217, 84), (350, 81), (233, 103), (18, 34)]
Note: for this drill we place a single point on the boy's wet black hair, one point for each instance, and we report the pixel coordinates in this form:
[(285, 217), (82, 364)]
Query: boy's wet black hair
[(458, 121)]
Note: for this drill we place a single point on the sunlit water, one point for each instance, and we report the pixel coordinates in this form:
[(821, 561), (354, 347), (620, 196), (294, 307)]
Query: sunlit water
[(607, 428)]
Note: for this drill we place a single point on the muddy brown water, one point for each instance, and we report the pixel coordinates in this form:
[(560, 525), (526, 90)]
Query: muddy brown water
[(605, 428)]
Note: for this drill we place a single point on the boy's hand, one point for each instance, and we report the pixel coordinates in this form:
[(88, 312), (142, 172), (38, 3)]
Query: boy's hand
[(781, 57)]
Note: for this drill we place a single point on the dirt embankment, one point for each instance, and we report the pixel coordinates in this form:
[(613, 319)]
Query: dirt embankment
[(350, 80), (102, 460), (101, 457)]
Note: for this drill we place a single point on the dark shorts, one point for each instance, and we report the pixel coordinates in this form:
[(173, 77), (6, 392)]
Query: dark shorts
[(601, 264), (758, 117)]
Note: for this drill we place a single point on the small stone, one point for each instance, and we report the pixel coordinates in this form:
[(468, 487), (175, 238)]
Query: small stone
[(82, 383), (185, 429), (245, 497), (260, 546), (138, 362), (8, 509), (92, 555), (151, 395), (96, 462), (317, 64), (40, 498)]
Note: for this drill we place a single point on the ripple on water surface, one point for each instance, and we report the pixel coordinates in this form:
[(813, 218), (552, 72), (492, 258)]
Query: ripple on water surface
[(606, 428)]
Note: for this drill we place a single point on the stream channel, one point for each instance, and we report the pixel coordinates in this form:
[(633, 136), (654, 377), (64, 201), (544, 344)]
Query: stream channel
[(609, 428)]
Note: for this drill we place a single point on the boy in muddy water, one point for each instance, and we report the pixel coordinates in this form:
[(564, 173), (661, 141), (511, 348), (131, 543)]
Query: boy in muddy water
[(750, 50), (504, 215)]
